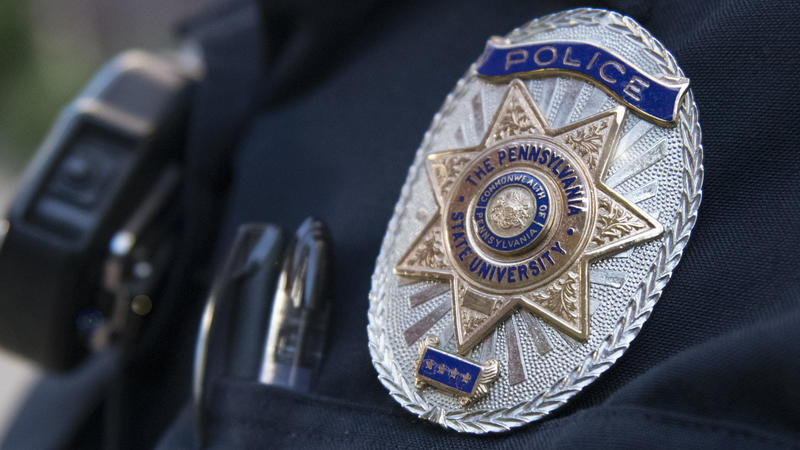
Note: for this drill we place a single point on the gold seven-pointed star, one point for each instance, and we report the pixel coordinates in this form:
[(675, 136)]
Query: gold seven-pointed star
[(563, 300)]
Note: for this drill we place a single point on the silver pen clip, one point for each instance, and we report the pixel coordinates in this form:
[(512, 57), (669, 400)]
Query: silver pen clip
[(266, 316)]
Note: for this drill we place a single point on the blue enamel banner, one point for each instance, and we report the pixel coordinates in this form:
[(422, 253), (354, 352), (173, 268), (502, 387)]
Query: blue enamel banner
[(450, 371), (655, 98)]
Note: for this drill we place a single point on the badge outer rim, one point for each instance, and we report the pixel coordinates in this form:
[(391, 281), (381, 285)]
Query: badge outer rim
[(674, 240)]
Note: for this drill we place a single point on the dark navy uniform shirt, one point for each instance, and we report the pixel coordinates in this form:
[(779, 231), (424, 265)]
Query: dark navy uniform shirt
[(318, 109)]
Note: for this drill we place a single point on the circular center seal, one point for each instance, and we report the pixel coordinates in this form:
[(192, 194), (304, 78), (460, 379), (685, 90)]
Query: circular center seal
[(512, 211), (519, 215)]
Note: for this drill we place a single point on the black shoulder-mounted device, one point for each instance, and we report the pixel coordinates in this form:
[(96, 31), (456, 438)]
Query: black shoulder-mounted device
[(79, 240)]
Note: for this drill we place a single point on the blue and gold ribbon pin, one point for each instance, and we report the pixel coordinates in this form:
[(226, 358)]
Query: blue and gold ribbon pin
[(454, 374)]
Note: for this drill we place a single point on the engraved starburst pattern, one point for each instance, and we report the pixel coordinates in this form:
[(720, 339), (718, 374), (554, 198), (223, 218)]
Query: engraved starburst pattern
[(560, 302)]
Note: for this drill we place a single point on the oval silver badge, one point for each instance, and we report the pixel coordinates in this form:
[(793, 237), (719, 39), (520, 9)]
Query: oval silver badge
[(543, 215)]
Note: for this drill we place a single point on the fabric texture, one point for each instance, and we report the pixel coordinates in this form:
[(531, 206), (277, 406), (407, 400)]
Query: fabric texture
[(338, 107)]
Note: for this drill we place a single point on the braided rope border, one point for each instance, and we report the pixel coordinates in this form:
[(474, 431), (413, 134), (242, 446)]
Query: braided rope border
[(645, 297)]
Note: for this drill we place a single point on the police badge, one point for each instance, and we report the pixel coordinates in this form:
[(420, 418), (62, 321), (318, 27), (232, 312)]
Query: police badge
[(543, 215)]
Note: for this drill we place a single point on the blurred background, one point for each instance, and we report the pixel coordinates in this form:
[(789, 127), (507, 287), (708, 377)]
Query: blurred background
[(48, 50)]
